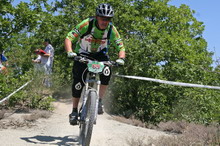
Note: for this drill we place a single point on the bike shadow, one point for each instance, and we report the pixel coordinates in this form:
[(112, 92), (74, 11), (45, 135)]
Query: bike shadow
[(52, 140)]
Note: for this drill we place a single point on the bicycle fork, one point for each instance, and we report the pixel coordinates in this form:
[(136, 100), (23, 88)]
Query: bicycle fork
[(97, 100), (85, 97)]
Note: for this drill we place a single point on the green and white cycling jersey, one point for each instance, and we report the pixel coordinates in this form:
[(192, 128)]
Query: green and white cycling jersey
[(95, 41)]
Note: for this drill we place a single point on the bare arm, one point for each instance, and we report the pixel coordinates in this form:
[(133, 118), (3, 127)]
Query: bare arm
[(46, 55), (68, 45), (121, 54)]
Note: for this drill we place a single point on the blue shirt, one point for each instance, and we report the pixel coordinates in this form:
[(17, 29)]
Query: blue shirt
[(3, 58)]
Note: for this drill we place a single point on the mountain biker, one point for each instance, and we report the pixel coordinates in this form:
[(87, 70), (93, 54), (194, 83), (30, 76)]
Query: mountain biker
[(92, 38)]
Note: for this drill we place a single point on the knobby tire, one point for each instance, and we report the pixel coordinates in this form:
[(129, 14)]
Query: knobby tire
[(87, 126)]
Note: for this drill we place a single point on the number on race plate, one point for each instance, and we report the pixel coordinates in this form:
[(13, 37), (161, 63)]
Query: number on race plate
[(95, 66)]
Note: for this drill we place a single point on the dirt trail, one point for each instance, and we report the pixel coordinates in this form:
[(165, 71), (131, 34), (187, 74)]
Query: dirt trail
[(57, 131)]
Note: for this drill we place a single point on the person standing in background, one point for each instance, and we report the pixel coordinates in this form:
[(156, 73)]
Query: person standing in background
[(45, 60)]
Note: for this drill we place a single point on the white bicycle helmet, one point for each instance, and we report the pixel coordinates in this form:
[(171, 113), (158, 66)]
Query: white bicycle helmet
[(105, 10)]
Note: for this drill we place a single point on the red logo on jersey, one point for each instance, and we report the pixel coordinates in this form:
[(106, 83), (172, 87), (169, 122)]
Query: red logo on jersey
[(95, 41)]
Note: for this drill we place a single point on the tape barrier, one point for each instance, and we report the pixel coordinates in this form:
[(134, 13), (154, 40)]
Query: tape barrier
[(169, 82), (6, 98)]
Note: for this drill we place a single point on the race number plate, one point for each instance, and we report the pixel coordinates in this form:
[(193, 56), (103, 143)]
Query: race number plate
[(95, 67)]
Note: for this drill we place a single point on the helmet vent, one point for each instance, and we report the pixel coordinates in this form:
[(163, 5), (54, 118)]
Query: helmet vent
[(105, 10)]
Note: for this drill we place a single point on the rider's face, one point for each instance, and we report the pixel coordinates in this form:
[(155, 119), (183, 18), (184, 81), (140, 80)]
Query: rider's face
[(103, 22)]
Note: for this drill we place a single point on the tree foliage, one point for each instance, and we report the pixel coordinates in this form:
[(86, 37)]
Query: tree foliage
[(162, 41)]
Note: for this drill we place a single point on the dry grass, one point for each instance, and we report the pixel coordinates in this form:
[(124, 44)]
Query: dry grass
[(14, 124), (22, 119), (130, 121), (2, 114), (181, 133), (174, 127), (188, 134), (136, 142), (36, 115)]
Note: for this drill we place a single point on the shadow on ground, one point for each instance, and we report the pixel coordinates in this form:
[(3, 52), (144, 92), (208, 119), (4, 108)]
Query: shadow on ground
[(51, 140)]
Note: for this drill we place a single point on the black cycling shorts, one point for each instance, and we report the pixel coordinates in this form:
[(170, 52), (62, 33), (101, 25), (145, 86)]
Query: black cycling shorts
[(80, 69)]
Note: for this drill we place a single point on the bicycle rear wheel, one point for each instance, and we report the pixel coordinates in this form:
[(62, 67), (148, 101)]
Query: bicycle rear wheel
[(87, 126)]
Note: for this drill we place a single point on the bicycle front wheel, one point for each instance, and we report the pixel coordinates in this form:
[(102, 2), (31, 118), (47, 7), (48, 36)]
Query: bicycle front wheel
[(87, 126)]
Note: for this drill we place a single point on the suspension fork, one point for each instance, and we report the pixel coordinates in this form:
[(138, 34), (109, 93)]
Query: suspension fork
[(83, 106), (85, 96), (97, 99)]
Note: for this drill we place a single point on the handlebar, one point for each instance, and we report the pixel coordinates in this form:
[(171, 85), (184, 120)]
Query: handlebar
[(85, 59)]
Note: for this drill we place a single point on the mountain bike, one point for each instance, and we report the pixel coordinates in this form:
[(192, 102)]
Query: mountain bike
[(90, 96)]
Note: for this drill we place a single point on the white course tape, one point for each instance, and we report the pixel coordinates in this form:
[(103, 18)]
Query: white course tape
[(14, 92), (169, 82)]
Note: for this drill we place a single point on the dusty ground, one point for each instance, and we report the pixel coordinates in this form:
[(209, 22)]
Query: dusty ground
[(56, 130)]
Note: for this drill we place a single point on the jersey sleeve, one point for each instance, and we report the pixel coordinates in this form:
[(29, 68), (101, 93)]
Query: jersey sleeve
[(116, 40), (79, 30)]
